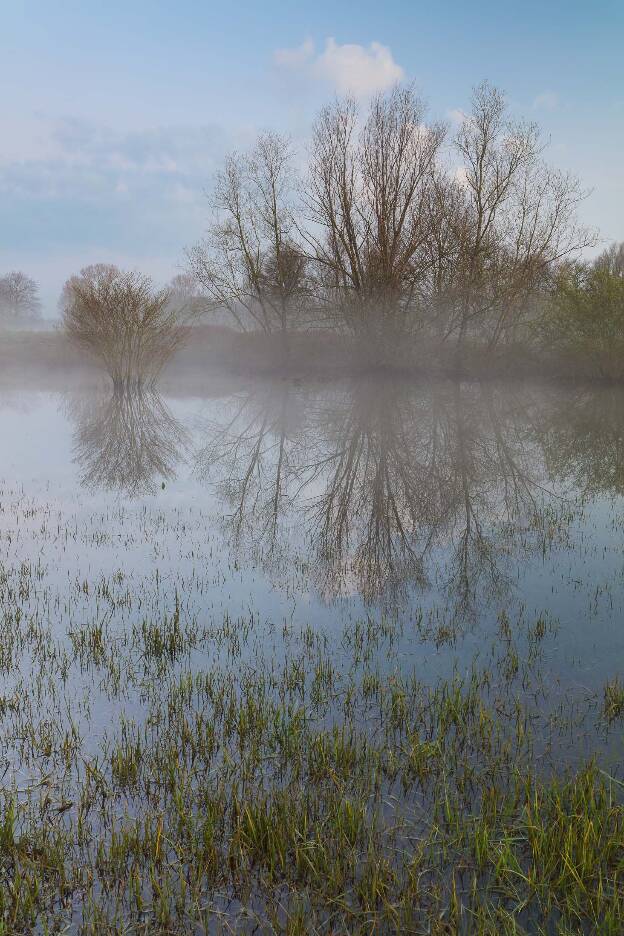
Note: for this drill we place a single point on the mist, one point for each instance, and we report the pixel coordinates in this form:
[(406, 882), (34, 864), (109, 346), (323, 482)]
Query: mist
[(311, 557)]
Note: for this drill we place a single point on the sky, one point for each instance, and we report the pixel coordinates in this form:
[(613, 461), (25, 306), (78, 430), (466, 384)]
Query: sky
[(115, 116)]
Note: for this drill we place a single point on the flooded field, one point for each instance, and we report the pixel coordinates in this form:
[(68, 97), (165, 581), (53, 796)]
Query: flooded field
[(312, 658)]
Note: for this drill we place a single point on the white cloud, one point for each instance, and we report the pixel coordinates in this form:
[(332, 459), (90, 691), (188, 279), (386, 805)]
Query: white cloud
[(89, 192), (297, 57), (547, 100), (349, 68)]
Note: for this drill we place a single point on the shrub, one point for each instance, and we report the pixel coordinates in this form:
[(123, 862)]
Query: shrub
[(122, 321)]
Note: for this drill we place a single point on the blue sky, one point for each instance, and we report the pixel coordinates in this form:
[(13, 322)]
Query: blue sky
[(115, 115)]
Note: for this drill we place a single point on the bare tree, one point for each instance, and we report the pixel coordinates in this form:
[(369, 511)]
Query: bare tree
[(386, 236), (119, 319), (365, 198), (448, 220), (251, 263), (184, 292), (19, 297), (514, 219)]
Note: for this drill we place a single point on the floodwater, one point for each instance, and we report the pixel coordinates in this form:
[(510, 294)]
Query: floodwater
[(411, 531), (440, 507)]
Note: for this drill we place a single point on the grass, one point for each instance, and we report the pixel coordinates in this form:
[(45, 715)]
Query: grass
[(613, 699), (186, 754), (252, 794)]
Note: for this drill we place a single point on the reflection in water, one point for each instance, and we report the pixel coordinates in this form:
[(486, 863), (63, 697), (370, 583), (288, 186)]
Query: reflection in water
[(378, 476), (584, 440), (128, 441), (364, 522), (489, 487), (253, 451), (377, 488)]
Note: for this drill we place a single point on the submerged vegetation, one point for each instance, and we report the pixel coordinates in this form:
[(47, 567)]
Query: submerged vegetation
[(323, 686), (254, 796)]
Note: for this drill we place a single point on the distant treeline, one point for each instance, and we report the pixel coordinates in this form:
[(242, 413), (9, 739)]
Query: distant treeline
[(19, 299)]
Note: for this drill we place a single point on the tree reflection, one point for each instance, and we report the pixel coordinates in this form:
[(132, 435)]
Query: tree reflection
[(584, 440), (364, 525), (128, 441), (252, 452), (491, 487), (376, 488), (385, 484)]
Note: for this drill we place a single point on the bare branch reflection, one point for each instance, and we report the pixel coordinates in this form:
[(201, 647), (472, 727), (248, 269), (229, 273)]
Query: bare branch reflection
[(252, 453), (364, 524), (378, 485), (127, 441)]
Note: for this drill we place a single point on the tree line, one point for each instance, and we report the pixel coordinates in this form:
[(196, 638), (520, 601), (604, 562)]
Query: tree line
[(393, 232), (392, 226)]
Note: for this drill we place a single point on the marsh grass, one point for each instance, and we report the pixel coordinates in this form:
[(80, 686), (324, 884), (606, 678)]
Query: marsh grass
[(181, 761), (297, 793)]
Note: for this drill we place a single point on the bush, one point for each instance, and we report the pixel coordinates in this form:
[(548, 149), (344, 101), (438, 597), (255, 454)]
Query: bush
[(120, 320)]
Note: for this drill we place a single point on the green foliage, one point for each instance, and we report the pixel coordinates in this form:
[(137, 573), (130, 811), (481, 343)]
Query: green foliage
[(585, 318)]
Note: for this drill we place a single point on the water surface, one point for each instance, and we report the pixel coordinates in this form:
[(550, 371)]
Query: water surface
[(161, 554)]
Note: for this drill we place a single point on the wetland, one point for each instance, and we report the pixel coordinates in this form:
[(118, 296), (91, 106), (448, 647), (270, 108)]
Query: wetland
[(304, 656)]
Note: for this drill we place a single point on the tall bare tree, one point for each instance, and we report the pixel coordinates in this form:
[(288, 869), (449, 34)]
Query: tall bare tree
[(251, 263), (514, 219), (365, 202)]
